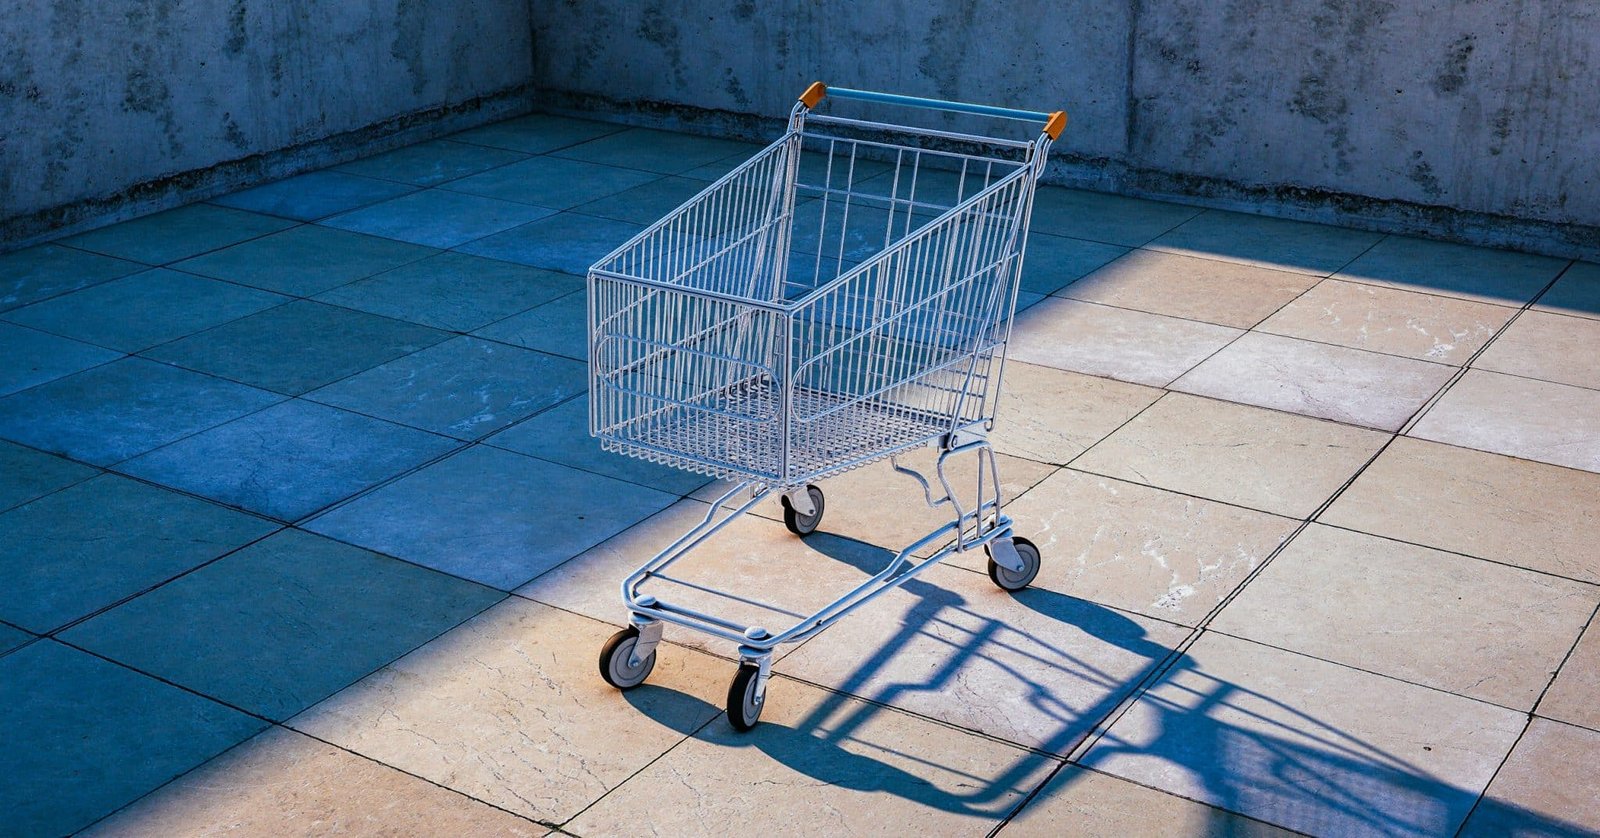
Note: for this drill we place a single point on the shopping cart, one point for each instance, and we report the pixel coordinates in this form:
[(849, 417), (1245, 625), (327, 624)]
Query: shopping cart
[(842, 297)]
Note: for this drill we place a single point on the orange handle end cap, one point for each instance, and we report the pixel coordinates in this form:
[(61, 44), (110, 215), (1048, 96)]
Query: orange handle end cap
[(1054, 126), (814, 94)]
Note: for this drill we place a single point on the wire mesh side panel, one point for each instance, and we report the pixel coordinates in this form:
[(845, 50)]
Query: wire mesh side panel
[(903, 349)]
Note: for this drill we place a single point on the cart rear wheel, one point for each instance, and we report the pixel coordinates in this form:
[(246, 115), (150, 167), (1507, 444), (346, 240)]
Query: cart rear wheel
[(1011, 580), (614, 656), (804, 524), (744, 710)]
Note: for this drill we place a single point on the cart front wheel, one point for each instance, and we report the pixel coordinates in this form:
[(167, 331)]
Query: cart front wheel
[(1012, 580), (744, 709), (614, 664), (804, 524)]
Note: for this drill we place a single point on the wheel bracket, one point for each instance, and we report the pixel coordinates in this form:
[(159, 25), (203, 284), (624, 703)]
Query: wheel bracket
[(649, 636), (1005, 554), (800, 501)]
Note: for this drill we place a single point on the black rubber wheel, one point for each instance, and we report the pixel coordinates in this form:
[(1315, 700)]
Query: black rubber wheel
[(614, 660), (804, 524), (1010, 580), (743, 709)]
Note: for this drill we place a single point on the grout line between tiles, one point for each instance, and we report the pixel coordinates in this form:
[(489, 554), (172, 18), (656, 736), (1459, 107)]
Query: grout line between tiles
[(1466, 819)]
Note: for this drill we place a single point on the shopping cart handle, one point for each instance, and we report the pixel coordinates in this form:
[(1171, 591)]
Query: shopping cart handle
[(1053, 122)]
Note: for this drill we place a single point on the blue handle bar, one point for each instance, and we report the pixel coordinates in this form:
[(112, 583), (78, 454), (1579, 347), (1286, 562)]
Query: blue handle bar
[(937, 104)]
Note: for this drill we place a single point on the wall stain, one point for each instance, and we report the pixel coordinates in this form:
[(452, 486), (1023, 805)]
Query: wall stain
[(1421, 173), (237, 35), (411, 27), (1453, 75)]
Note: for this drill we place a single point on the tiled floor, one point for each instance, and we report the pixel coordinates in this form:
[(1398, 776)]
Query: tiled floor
[(331, 549)]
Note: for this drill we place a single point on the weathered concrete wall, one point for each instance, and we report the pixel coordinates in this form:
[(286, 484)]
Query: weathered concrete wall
[(115, 107), (1477, 120)]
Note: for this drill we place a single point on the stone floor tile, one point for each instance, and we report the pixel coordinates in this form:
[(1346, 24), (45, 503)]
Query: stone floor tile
[(1209, 290), (1140, 549), (122, 409), (432, 163), (1550, 347), (1423, 326), (305, 260), (1457, 270), (537, 133), (33, 357), (1099, 217), (823, 764), (508, 708), (297, 347), (12, 638), (1266, 242), (454, 291), (314, 195), (26, 474), (559, 327), (663, 152), (1035, 668), (169, 304), (283, 623), (1100, 340), (1547, 787), (1577, 292), (39, 273), (285, 783), (568, 242), (493, 516), (561, 435), (178, 233), (1462, 625), (863, 231), (645, 204), (84, 737), (1276, 462), (465, 387), (1571, 696), (1307, 744), (1052, 262), (1534, 420), (1513, 511), (1314, 379), (1087, 803), (79, 550), (437, 218), (1051, 416), (289, 460), (821, 168), (552, 182)]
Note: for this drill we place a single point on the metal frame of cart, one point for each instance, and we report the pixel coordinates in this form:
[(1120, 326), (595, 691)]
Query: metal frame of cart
[(840, 298)]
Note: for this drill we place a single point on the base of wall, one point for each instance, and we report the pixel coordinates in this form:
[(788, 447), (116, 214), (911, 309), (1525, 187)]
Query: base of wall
[(200, 184), (1569, 241)]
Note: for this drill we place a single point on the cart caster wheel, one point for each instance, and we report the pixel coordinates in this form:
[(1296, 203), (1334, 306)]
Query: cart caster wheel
[(803, 524), (614, 660), (743, 708), (1011, 580)]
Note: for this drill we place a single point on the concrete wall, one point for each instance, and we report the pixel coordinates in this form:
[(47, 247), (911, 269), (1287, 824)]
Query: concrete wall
[(109, 108), (1477, 120)]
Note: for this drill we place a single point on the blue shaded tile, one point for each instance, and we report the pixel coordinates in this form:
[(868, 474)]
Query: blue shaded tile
[(306, 260), (283, 623), (1053, 262), (1113, 219), (863, 230), (537, 133), (561, 435), (123, 409), (11, 638), (26, 474), (289, 460), (314, 195), (178, 234), (492, 516), (437, 218), (559, 328), (83, 548), (569, 242), (140, 311), (432, 163), (454, 291), (85, 737), (34, 357), (464, 387), (39, 273), (646, 204), (298, 347), (657, 151), (552, 182)]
